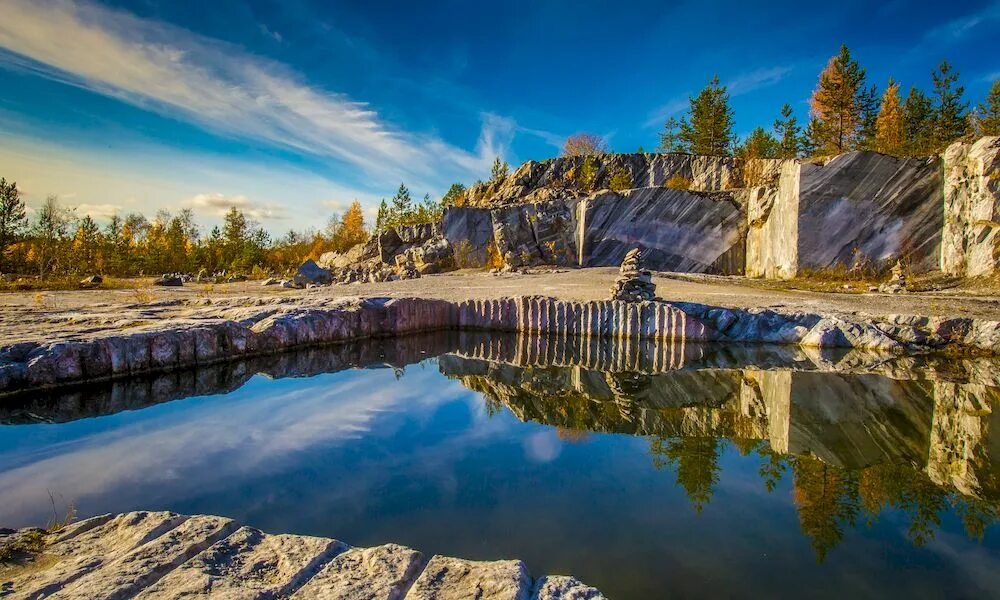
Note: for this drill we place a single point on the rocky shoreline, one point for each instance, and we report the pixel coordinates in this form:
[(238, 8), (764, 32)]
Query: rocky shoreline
[(166, 555), (226, 331)]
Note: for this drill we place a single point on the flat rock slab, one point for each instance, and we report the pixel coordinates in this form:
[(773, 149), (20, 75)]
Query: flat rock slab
[(379, 573), (138, 569), (78, 553), (160, 555), (447, 578), (248, 564)]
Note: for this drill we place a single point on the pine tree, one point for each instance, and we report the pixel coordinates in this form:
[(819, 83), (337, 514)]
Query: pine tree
[(453, 196), (839, 105), (640, 150), (988, 114), (871, 104), (51, 227), (709, 130), (890, 134), (382, 218), (670, 140), (499, 170), (87, 244), (789, 134), (760, 144), (950, 119), (401, 207), (13, 216), (918, 124)]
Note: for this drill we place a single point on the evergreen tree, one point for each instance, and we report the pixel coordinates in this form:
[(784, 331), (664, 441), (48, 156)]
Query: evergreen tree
[(890, 134), (950, 119), (402, 205), (382, 218), (760, 144), (988, 113), (670, 140), (87, 244), (499, 171), (709, 130), (640, 150), (13, 216), (918, 124), (789, 134), (453, 195), (839, 105)]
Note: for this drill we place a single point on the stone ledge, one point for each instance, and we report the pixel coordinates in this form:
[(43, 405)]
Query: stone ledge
[(267, 329)]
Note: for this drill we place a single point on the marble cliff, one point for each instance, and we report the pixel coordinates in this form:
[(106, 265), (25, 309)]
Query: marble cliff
[(764, 218)]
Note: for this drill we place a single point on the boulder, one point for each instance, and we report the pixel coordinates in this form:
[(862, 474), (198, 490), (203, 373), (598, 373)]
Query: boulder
[(311, 273), (540, 233), (168, 281), (270, 281), (339, 260), (92, 281), (469, 231)]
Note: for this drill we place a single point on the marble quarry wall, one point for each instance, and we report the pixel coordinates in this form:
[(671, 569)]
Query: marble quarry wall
[(771, 218), (970, 245), (678, 230)]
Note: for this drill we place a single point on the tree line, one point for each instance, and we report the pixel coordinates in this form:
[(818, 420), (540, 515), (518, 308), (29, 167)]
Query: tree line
[(845, 114), (56, 241)]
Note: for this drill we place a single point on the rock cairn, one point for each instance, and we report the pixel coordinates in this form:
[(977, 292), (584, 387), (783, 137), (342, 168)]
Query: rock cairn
[(897, 280), (633, 284)]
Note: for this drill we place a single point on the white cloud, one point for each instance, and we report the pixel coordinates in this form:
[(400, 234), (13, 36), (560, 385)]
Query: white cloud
[(225, 89), (755, 80), (218, 204), (661, 114), (97, 211)]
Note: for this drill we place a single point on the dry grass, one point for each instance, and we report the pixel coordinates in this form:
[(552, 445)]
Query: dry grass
[(52, 284)]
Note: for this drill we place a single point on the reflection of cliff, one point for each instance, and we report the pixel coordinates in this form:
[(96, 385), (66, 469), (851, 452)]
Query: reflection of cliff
[(847, 421), (854, 445)]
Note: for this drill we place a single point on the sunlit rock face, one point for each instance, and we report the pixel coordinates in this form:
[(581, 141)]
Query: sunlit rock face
[(865, 207), (538, 181), (772, 249), (536, 233), (677, 230), (970, 243)]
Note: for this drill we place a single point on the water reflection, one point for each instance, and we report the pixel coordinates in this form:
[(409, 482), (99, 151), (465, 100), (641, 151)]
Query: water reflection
[(537, 447)]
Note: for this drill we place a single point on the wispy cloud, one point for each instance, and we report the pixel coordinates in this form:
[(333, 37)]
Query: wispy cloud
[(225, 89), (217, 203), (956, 29), (737, 86), (755, 80), (659, 115)]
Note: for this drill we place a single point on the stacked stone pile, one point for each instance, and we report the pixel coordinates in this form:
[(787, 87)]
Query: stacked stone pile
[(633, 284), (897, 281)]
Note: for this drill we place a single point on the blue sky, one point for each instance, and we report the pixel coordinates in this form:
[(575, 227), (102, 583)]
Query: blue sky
[(292, 109)]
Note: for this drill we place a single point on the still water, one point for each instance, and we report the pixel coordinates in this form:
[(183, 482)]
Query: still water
[(686, 472)]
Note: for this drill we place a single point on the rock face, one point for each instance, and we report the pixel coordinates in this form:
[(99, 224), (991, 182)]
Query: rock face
[(772, 249), (634, 284), (678, 230), (161, 555), (538, 233), (865, 207), (970, 243), (469, 231), (539, 181)]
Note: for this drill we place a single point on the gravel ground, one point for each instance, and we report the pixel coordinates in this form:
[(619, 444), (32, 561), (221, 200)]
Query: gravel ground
[(56, 315)]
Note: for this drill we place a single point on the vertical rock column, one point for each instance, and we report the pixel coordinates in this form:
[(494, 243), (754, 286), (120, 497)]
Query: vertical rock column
[(970, 243), (773, 218)]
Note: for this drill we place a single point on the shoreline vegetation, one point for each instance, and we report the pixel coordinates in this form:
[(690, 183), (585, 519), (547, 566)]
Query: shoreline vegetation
[(51, 245)]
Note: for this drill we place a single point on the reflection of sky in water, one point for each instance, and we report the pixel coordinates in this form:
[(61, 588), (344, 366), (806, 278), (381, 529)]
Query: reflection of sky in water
[(368, 459)]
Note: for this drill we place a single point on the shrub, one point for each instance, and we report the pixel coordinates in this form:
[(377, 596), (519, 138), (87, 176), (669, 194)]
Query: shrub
[(678, 183)]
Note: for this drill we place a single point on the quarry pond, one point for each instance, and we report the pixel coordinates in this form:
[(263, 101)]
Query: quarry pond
[(698, 470)]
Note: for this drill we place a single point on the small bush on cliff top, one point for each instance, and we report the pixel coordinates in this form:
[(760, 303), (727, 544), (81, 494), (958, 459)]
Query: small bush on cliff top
[(620, 180), (678, 183)]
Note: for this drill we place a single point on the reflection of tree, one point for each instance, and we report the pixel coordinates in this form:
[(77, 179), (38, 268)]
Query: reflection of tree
[(572, 436), (696, 460), (976, 515), (773, 466), (907, 490), (827, 500)]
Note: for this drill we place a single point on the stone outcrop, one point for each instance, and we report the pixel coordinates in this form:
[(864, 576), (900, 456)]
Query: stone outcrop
[(553, 178), (310, 273), (970, 243), (536, 233), (269, 326), (154, 555), (678, 230), (772, 249)]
